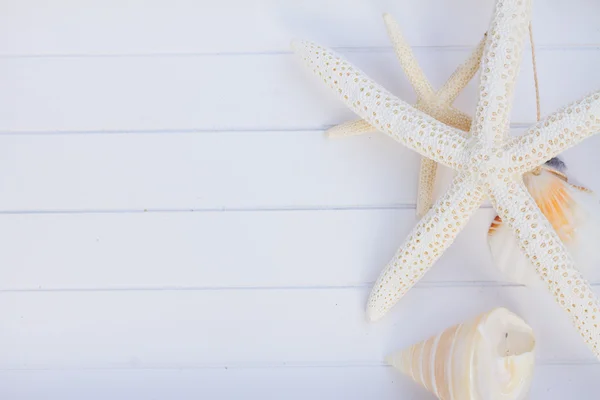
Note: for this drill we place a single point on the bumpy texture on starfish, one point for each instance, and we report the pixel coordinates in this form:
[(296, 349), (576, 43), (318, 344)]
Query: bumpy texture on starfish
[(437, 104), (490, 163)]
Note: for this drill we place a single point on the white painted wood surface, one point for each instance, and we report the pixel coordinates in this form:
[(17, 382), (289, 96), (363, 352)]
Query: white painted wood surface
[(175, 225)]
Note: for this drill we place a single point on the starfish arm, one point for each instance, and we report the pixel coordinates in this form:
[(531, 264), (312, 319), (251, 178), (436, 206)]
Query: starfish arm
[(550, 257), (407, 59), (500, 66), (462, 76), (460, 120), (385, 112), (556, 133), (427, 174), (425, 244), (350, 128), (428, 170)]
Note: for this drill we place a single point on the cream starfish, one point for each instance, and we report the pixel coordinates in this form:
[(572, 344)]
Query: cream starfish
[(489, 162), (438, 105)]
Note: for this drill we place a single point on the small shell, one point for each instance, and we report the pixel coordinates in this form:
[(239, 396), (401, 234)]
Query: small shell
[(489, 358), (573, 211)]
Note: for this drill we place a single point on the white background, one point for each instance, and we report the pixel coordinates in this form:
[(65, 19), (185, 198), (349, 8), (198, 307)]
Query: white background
[(174, 224)]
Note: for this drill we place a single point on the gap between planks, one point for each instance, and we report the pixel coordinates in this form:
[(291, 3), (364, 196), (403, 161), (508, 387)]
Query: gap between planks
[(357, 286), (367, 207), (341, 49), (283, 365), (185, 131)]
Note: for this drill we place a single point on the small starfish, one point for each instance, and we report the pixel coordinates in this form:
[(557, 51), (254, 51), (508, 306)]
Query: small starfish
[(490, 164), (437, 104)]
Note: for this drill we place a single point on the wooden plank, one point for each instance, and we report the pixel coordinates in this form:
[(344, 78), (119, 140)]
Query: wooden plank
[(236, 328), (216, 171), (550, 383), (238, 92), (215, 249), (185, 26), (209, 170)]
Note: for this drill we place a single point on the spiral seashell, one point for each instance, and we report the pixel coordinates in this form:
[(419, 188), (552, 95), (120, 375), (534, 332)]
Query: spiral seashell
[(573, 211), (489, 358)]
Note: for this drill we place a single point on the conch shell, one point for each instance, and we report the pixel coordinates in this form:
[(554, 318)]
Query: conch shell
[(489, 358), (573, 211)]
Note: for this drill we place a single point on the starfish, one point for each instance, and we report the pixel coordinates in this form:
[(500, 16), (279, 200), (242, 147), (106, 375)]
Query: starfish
[(437, 104), (489, 162)]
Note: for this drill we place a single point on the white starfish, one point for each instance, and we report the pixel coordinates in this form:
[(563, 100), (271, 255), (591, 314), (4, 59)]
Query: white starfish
[(437, 104), (489, 162)]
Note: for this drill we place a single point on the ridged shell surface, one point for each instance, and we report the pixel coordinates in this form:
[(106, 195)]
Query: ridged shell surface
[(489, 358)]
